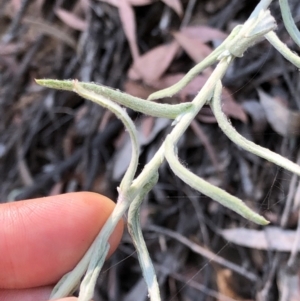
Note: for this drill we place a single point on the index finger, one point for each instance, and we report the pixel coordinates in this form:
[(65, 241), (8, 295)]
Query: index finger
[(42, 239)]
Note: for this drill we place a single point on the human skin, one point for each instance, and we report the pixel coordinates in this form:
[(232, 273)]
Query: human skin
[(42, 239)]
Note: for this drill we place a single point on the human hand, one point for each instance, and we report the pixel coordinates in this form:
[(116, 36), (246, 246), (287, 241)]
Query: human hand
[(42, 239)]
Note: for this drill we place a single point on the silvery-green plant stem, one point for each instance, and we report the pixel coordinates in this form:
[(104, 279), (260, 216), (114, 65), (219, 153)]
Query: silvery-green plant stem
[(283, 49), (135, 103), (208, 61), (135, 231), (172, 90), (149, 171), (70, 281), (95, 260), (239, 140), (127, 121), (183, 115), (261, 6), (88, 283), (250, 33), (188, 177), (215, 193), (241, 38), (98, 253), (222, 51), (182, 123), (289, 21), (201, 98)]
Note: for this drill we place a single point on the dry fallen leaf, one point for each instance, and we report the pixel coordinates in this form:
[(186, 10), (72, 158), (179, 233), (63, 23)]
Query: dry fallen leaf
[(256, 112), (147, 124), (201, 135), (128, 18), (193, 38), (195, 48), (152, 65), (282, 120), (270, 238), (140, 2), (231, 108), (16, 4), (131, 2), (227, 285), (203, 33), (175, 5), (128, 21), (112, 2), (84, 5), (71, 19)]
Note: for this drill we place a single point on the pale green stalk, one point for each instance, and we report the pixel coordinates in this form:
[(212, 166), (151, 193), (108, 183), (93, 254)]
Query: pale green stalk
[(208, 61), (172, 90), (251, 32), (99, 248), (135, 231), (200, 100), (149, 171), (239, 40), (98, 251), (135, 103), (187, 176), (238, 139), (215, 193), (283, 49), (223, 50), (131, 192), (182, 123), (128, 123), (289, 21), (261, 6), (89, 281)]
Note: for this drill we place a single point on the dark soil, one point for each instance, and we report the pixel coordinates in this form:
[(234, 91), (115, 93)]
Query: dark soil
[(53, 142)]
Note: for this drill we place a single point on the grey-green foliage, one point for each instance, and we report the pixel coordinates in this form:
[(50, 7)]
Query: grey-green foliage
[(259, 26)]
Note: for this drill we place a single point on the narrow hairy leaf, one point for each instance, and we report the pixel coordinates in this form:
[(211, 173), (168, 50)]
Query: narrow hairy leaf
[(208, 189), (289, 21), (137, 104), (249, 146)]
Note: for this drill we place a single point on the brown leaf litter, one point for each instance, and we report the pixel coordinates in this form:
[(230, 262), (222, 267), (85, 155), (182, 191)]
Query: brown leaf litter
[(53, 142)]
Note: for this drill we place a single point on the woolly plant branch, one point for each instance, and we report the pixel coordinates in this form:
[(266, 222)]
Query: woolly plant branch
[(187, 176), (91, 263), (135, 231), (132, 190), (241, 38), (98, 249), (239, 140), (127, 121), (261, 6), (208, 189), (208, 61), (283, 49), (289, 21), (135, 103)]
